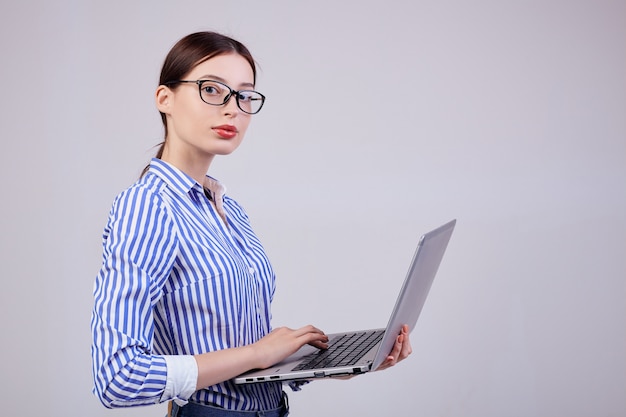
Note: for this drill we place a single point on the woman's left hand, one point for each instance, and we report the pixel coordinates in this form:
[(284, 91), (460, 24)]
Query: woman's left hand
[(401, 349)]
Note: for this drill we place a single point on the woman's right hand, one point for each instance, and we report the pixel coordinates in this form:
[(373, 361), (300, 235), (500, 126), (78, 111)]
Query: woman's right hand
[(283, 341), (221, 365)]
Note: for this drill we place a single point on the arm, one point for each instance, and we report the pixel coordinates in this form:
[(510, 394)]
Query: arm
[(137, 256), (219, 366)]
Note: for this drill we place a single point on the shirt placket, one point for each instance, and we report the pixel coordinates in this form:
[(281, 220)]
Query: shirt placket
[(222, 232)]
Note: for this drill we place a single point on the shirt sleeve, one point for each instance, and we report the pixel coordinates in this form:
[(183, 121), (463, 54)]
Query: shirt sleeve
[(139, 246)]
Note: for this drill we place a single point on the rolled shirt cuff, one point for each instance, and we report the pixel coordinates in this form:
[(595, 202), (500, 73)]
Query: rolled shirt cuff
[(182, 377)]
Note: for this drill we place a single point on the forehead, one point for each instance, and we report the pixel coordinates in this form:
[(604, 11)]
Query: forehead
[(233, 69)]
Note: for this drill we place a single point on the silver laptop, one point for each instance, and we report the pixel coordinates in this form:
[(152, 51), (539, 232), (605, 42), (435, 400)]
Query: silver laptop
[(363, 351)]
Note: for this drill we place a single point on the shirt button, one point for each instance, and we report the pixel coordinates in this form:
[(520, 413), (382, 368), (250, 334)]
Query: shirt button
[(251, 270)]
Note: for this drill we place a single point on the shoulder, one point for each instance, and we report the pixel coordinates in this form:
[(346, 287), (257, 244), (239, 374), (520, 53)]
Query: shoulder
[(234, 208), (144, 196), (149, 187), (140, 218)]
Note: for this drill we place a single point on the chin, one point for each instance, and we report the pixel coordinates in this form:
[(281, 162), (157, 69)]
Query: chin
[(224, 150)]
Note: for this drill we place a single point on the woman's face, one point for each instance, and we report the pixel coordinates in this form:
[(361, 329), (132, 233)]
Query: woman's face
[(196, 129)]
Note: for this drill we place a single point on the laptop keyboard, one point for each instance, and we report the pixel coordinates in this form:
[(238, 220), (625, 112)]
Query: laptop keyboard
[(343, 350)]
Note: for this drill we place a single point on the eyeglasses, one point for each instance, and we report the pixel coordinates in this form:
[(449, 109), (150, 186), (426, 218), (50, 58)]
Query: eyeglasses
[(216, 93)]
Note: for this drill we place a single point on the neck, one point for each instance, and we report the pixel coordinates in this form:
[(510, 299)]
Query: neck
[(192, 164)]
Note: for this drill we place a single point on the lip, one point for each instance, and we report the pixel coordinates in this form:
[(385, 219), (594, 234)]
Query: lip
[(225, 131)]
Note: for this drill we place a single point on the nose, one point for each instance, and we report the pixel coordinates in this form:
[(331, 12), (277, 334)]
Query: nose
[(230, 106)]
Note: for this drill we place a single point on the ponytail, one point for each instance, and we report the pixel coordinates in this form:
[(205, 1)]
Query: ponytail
[(158, 155)]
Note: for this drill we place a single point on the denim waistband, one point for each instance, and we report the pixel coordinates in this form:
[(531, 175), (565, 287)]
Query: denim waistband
[(192, 409)]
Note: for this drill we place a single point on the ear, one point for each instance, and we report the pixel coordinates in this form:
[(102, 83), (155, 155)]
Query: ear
[(163, 97)]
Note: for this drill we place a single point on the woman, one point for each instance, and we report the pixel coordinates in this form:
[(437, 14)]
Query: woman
[(182, 301)]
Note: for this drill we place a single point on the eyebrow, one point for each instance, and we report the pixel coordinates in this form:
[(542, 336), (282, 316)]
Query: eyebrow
[(220, 79)]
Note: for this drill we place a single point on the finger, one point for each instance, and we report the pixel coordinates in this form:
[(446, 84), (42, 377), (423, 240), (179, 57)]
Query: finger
[(308, 329), (397, 347), (319, 344), (313, 336), (320, 341), (388, 363), (395, 354), (407, 349)]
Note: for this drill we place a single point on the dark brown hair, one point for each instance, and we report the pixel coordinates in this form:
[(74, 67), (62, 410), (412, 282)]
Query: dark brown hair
[(190, 51)]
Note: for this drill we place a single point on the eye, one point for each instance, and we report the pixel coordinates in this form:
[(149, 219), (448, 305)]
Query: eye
[(211, 89), (246, 96)]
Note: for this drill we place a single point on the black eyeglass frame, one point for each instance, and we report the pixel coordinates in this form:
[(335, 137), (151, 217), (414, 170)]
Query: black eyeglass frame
[(228, 96)]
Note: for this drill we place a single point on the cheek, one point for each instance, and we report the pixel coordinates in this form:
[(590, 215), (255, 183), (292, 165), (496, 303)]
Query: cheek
[(243, 125), (187, 115)]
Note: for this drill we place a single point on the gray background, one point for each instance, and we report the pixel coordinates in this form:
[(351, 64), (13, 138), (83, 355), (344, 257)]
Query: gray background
[(383, 120)]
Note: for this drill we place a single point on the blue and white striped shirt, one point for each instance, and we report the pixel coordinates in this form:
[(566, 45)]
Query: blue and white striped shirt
[(180, 276)]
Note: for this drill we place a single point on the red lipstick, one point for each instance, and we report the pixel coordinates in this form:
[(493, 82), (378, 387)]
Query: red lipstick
[(225, 131)]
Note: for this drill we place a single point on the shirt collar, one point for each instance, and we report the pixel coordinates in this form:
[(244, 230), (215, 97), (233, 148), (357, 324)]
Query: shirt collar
[(183, 183)]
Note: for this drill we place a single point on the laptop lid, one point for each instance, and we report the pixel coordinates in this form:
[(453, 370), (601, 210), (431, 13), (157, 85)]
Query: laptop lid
[(416, 286)]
